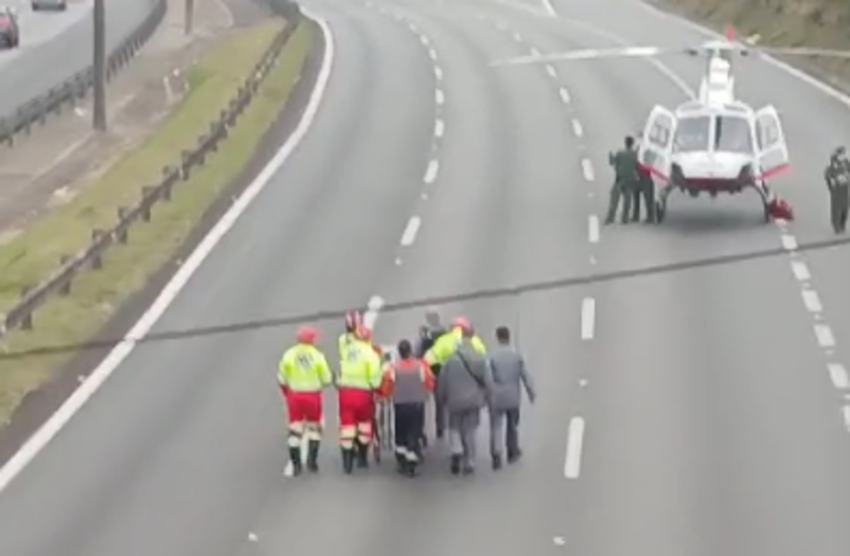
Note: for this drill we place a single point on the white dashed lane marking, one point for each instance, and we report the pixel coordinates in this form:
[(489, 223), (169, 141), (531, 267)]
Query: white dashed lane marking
[(838, 376), (439, 128), (801, 271), (824, 336), (551, 71), (410, 231), (593, 228), (431, 172), (565, 96), (438, 73), (575, 442), (587, 169), (577, 129), (789, 242), (812, 301), (440, 97), (588, 318)]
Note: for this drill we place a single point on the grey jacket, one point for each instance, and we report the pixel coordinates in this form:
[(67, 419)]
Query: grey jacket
[(456, 389), (508, 371)]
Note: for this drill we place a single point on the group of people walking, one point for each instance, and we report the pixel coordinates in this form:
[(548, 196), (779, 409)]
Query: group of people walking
[(452, 365)]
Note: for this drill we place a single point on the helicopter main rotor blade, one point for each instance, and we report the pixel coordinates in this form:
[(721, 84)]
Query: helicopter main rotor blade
[(588, 54), (805, 51)]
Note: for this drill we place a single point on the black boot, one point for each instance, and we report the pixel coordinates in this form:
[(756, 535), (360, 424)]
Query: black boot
[(295, 458), (313, 456), (401, 464), (497, 462), (455, 465), (362, 456), (348, 460)]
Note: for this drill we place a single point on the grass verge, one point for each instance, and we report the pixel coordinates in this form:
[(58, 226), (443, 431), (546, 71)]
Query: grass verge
[(815, 23), (96, 294)]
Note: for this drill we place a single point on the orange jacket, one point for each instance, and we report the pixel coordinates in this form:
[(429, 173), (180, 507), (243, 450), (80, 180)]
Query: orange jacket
[(387, 388)]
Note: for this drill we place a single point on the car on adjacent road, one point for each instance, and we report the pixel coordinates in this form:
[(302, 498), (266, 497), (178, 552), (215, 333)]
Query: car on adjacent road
[(49, 5)]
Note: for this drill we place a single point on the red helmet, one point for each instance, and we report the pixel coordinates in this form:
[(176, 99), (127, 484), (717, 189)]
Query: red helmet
[(353, 321), (462, 323), (363, 333), (307, 335)]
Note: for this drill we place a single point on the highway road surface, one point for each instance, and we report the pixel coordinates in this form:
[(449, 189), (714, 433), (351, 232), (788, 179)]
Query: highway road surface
[(55, 45), (682, 412)]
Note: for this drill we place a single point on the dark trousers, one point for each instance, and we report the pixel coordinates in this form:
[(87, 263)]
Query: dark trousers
[(507, 419), (839, 202), (439, 412), (409, 428), (644, 188)]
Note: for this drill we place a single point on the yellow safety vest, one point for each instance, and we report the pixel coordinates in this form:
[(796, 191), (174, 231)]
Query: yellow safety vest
[(446, 345), (303, 368), (360, 367)]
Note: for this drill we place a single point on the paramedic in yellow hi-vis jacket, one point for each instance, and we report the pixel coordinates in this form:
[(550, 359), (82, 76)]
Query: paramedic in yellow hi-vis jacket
[(436, 357), (359, 378), (303, 373)]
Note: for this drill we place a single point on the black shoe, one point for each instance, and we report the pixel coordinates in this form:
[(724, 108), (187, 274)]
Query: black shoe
[(401, 464), (440, 433), (348, 461), (313, 456), (468, 470), (608, 221), (362, 456), (295, 458), (455, 465), (497, 463), (514, 457), (410, 469)]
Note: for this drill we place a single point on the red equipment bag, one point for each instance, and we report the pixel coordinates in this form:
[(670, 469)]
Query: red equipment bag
[(780, 209)]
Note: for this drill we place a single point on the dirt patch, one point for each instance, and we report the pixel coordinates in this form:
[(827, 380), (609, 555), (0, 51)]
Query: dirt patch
[(814, 23)]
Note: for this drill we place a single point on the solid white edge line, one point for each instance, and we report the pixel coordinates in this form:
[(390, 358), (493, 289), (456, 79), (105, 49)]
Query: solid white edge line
[(593, 228), (588, 318), (575, 441), (36, 443), (410, 231), (838, 376)]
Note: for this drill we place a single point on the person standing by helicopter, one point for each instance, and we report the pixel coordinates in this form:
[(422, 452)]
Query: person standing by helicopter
[(837, 175), (645, 188), (625, 164)]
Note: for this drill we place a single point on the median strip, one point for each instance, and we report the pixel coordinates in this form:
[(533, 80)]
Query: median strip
[(124, 227)]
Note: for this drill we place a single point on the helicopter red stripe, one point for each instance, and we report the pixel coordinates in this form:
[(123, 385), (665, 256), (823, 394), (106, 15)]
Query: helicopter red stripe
[(775, 172)]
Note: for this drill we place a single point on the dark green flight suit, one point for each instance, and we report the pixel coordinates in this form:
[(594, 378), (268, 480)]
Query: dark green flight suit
[(645, 188), (837, 176), (625, 163)]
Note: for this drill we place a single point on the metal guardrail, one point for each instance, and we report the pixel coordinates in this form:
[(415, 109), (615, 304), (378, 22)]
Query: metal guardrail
[(60, 282), (75, 87)]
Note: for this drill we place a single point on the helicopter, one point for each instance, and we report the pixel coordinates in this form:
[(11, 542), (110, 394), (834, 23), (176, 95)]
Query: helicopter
[(714, 143)]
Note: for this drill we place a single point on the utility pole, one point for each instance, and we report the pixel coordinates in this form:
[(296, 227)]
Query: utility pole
[(189, 18), (99, 86)]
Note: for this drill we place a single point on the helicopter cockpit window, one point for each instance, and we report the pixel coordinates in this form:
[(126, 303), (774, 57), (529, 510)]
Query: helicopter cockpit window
[(692, 134), (733, 135)]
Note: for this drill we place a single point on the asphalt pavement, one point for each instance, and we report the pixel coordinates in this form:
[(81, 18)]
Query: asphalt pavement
[(682, 410), (55, 45)]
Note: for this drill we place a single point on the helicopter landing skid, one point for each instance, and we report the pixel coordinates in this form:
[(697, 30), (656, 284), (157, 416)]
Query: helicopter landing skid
[(663, 193)]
